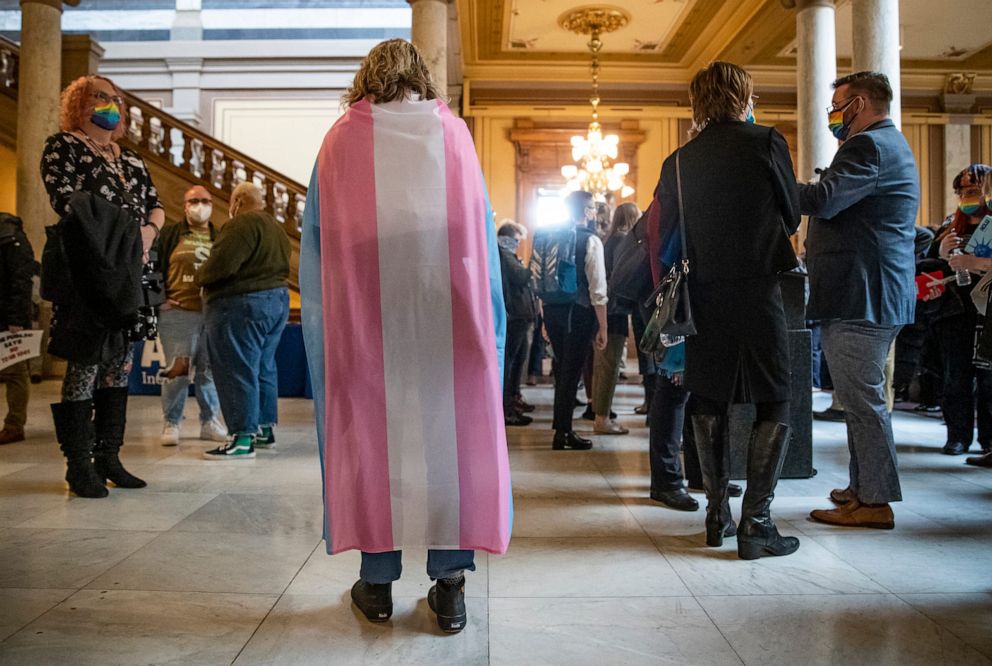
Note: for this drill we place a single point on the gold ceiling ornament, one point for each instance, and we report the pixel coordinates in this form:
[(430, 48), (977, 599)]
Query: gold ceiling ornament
[(594, 152)]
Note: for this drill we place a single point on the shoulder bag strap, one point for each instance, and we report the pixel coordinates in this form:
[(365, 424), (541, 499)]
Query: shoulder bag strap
[(678, 180)]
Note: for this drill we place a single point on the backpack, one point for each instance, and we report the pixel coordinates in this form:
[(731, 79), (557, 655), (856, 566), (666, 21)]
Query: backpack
[(554, 255), (630, 278)]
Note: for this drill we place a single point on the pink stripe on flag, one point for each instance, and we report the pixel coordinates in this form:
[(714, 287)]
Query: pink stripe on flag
[(356, 464), (483, 470)]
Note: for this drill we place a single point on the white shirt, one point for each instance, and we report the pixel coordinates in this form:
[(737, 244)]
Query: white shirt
[(595, 267)]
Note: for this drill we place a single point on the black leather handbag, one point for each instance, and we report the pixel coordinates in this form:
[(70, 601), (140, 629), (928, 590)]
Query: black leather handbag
[(672, 314)]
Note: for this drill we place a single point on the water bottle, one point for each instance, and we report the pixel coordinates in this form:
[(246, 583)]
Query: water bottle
[(962, 277)]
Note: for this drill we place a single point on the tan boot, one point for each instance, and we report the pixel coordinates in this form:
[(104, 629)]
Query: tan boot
[(856, 514)]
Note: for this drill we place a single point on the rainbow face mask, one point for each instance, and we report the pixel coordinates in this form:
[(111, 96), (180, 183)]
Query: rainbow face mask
[(971, 205), (106, 115), (835, 121)]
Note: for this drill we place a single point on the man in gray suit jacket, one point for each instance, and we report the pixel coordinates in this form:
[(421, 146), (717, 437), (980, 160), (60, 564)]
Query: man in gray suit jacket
[(859, 252)]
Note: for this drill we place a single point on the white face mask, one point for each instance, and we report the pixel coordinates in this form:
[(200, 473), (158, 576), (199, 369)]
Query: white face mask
[(200, 212)]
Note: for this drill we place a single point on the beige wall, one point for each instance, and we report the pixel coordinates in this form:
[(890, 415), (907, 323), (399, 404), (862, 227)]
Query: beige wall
[(8, 180)]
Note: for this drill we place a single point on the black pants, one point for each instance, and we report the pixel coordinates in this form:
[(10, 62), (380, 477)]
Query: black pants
[(955, 338), (515, 355), (571, 329), (536, 361), (666, 420)]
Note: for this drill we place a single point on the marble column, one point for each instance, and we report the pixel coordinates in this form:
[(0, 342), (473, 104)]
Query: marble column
[(39, 86), (875, 38), (430, 36)]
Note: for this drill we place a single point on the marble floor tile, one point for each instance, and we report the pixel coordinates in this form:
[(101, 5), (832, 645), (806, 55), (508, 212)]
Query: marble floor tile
[(717, 571), (20, 607), (666, 630), (908, 564), (206, 478), (535, 517), (280, 477), (257, 514), (11, 467), (122, 509), (125, 627), (46, 558), (317, 630), (206, 562), (586, 567), (328, 576), (967, 616), (850, 629)]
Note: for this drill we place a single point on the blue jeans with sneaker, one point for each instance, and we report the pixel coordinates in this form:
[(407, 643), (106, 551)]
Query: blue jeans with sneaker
[(856, 352), (181, 333), (243, 332), (379, 568)]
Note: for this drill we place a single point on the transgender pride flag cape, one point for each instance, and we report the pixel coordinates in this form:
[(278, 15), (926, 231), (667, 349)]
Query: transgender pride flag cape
[(404, 322)]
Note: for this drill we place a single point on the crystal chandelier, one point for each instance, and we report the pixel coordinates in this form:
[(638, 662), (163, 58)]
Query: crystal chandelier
[(594, 153)]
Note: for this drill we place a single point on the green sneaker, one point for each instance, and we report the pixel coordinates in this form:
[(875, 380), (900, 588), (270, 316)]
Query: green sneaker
[(240, 447), (266, 437)]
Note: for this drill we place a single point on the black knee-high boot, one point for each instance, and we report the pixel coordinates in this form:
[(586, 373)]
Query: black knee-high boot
[(74, 431), (758, 536), (109, 422), (713, 447)]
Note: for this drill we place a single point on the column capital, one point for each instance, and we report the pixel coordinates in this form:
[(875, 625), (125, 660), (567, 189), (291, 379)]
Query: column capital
[(800, 5)]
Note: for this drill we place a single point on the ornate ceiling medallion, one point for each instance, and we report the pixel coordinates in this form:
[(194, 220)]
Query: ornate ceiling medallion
[(594, 19)]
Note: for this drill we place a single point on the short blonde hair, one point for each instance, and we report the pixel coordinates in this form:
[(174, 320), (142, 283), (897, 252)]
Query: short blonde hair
[(247, 197), (75, 101), (391, 70), (719, 92)]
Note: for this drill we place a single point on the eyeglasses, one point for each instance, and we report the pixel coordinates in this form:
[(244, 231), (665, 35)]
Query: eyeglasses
[(973, 191), (105, 98), (199, 201), (843, 105)]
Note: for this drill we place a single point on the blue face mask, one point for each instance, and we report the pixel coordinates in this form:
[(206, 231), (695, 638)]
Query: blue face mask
[(750, 114)]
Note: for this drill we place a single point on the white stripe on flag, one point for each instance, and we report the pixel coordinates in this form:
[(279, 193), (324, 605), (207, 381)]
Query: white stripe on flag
[(415, 283)]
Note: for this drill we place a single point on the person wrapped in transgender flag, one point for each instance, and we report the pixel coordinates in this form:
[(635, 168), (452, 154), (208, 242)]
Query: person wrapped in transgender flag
[(404, 326)]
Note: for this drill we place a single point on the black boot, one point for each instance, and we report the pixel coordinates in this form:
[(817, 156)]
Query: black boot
[(758, 535), (375, 600), (74, 431), (447, 600), (712, 445), (109, 420)]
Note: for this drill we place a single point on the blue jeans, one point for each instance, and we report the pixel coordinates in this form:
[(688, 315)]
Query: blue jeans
[(379, 568), (181, 334), (856, 352), (243, 332)]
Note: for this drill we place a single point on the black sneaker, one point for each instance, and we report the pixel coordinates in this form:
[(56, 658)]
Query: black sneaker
[(447, 600), (374, 600), (955, 448), (517, 419)]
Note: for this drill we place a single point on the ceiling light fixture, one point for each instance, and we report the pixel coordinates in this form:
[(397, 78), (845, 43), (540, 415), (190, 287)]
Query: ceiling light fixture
[(593, 153)]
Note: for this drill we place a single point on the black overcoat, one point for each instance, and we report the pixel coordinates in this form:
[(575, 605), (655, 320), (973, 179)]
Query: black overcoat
[(741, 205)]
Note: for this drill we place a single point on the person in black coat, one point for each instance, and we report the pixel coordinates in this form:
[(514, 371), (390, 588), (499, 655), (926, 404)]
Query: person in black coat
[(741, 204), (521, 310), (17, 268)]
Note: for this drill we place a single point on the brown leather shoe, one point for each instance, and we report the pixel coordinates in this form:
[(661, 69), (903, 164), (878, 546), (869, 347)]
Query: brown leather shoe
[(977, 461), (10, 435), (842, 496), (856, 514)]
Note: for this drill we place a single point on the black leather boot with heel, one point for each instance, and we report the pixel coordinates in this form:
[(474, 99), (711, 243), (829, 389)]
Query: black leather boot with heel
[(74, 431), (713, 447), (109, 421), (757, 535)]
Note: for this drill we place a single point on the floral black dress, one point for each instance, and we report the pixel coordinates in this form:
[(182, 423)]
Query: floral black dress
[(69, 165)]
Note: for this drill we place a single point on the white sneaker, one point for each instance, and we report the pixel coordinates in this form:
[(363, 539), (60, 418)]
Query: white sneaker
[(170, 435), (212, 431)]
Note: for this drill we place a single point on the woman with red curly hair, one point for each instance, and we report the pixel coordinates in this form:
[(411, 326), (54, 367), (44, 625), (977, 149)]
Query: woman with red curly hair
[(85, 157)]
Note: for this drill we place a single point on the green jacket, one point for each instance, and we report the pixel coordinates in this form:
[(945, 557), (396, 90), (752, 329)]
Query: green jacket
[(168, 239), (250, 253)]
